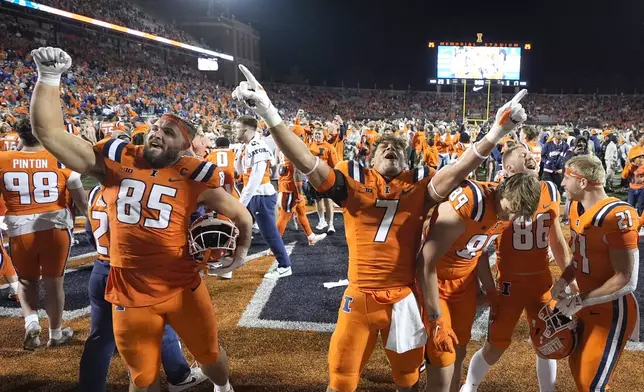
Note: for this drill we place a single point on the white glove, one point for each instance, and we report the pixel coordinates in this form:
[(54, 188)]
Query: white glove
[(558, 290), (507, 118), (569, 306), (255, 97), (52, 63)]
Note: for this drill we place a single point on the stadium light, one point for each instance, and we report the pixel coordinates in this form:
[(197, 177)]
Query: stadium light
[(123, 29)]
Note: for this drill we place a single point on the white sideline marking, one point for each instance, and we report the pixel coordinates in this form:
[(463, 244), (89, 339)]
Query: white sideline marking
[(251, 319)]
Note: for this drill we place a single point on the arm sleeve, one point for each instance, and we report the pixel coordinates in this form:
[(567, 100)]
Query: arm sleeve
[(334, 188), (256, 174)]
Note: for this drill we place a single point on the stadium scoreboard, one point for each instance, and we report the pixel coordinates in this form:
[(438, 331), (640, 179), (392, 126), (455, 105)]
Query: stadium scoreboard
[(479, 63)]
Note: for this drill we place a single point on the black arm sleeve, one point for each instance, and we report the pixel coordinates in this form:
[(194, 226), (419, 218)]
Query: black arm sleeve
[(338, 192)]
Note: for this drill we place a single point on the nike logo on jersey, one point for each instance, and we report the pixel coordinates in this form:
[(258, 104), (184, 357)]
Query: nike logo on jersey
[(545, 206), (594, 313), (175, 179), (406, 191)]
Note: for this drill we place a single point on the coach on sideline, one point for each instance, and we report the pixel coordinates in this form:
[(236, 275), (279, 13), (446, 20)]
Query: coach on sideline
[(259, 196)]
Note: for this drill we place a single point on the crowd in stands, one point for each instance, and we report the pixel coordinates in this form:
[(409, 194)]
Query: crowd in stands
[(101, 86), (123, 13)]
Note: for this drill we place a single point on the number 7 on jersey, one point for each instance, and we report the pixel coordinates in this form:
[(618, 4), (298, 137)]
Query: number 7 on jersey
[(391, 207)]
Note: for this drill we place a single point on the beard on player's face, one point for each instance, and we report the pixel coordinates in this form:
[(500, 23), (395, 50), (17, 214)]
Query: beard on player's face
[(158, 153)]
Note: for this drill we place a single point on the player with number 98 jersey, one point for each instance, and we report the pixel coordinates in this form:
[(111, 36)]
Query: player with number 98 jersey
[(475, 204), (149, 210), (610, 224), (34, 186)]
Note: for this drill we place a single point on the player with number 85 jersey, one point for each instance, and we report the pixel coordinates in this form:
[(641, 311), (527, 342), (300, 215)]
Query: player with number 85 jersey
[(150, 191)]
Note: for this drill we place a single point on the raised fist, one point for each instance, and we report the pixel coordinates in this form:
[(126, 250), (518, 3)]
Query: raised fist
[(52, 63)]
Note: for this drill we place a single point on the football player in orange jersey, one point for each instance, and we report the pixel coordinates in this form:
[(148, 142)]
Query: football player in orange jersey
[(326, 153), (524, 279), (150, 192), (9, 138), (460, 230), (291, 197), (383, 210), (100, 345), (34, 186), (604, 237), (224, 157)]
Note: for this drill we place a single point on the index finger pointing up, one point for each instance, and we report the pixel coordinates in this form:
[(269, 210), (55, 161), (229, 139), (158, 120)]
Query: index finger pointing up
[(252, 82), (517, 98)]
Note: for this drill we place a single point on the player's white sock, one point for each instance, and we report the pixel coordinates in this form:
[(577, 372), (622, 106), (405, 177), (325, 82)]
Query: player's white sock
[(55, 333), (476, 372), (32, 318), (13, 287), (547, 374), (223, 388)]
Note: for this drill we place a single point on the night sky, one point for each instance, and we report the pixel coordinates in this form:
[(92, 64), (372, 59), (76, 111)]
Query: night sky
[(576, 44)]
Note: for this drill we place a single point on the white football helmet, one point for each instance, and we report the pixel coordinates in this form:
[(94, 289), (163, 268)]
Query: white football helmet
[(212, 237)]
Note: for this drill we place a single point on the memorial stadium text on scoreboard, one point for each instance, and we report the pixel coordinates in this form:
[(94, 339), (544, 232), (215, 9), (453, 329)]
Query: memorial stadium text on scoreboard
[(478, 63)]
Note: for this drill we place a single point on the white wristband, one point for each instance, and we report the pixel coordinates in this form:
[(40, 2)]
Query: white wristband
[(317, 162), (431, 184), (272, 117), (49, 79), (478, 154)]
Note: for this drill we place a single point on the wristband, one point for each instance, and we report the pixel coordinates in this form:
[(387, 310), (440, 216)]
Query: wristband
[(478, 154), (317, 162), (49, 79), (272, 117)]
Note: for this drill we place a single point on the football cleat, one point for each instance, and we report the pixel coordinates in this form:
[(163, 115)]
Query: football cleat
[(212, 237), (553, 335)]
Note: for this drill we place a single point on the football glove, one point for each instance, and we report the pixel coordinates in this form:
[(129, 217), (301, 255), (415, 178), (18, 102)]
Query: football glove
[(507, 118), (442, 336), (558, 290), (254, 96), (51, 63), (570, 305)]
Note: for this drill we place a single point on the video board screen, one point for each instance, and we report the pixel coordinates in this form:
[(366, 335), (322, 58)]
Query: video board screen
[(478, 62)]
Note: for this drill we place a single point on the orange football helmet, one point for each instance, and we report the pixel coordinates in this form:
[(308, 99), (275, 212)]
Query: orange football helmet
[(553, 335), (212, 237)]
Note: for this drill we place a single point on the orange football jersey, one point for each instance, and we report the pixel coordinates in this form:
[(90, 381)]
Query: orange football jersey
[(9, 142), (224, 158), (474, 203), (33, 182), (324, 151), (383, 221), (522, 249), (99, 222), (286, 181), (609, 224), (149, 214)]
